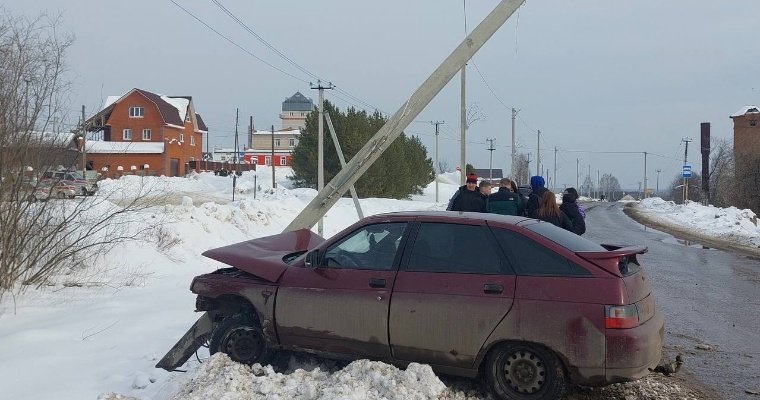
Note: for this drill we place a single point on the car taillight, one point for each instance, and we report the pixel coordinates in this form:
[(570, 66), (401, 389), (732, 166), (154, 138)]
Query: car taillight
[(621, 317)]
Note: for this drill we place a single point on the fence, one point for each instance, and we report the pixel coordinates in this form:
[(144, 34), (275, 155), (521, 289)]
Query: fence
[(224, 167)]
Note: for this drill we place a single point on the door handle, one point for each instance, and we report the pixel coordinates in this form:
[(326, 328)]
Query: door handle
[(376, 283), (491, 288)]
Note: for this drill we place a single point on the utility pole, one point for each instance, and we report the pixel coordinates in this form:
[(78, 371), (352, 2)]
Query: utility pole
[(250, 132), (554, 180), (234, 174), (528, 169), (588, 189), (490, 159), (437, 124), (598, 184), (658, 181), (407, 112), (645, 175), (538, 154), (463, 127), (686, 180), (84, 149), (320, 144), (514, 145), (343, 164), (271, 161), (577, 173)]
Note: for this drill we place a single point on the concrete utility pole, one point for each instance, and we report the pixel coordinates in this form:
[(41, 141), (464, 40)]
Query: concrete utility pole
[(321, 145), (343, 164), (250, 132), (437, 124), (588, 189), (645, 175), (490, 159), (598, 188), (84, 148), (658, 181), (271, 161), (554, 179), (538, 154), (685, 160), (234, 174), (577, 173), (463, 127), (408, 111), (514, 145)]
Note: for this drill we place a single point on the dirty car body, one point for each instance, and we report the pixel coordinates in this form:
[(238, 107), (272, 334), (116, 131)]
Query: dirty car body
[(470, 294)]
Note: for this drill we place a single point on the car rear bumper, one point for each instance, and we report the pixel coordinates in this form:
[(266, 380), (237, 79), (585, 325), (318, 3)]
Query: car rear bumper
[(632, 352)]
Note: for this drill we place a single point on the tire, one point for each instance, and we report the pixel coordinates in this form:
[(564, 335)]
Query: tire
[(524, 371), (84, 191), (61, 195), (240, 337)]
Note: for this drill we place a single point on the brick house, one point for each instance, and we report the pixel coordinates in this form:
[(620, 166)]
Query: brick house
[(747, 133), (147, 132)]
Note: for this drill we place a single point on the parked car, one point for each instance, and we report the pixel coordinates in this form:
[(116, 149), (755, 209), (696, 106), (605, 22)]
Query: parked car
[(44, 191), (84, 187), (528, 306)]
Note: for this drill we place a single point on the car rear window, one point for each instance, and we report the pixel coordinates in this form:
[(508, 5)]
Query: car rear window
[(564, 238)]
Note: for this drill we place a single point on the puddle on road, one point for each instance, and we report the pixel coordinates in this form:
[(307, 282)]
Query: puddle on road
[(684, 242)]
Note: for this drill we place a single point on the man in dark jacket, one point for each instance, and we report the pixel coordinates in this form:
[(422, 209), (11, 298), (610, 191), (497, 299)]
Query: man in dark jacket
[(534, 200), (506, 201), (468, 197), (572, 210)]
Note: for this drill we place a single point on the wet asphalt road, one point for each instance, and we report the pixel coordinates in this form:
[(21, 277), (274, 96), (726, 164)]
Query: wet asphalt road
[(708, 297)]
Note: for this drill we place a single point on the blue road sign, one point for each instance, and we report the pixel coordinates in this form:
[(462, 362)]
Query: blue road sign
[(687, 171)]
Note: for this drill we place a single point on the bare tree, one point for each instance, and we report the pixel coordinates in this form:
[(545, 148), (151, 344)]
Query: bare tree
[(443, 166), (609, 187), (722, 186), (39, 239), (474, 114), (522, 169)]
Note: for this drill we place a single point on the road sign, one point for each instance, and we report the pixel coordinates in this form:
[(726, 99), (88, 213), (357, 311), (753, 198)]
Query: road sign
[(687, 171)]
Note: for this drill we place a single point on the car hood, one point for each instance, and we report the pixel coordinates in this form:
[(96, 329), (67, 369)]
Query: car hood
[(262, 257)]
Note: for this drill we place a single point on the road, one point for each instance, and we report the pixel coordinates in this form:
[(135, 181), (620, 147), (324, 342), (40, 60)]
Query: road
[(709, 297)]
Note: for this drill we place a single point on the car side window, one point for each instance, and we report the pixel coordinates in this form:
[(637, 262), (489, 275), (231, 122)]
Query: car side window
[(529, 257), (454, 248), (371, 247)]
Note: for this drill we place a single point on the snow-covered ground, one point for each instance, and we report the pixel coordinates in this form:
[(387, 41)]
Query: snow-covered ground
[(731, 224), (100, 331)]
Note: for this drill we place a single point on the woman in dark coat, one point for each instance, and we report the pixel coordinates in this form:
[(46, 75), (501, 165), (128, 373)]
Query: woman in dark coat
[(549, 211), (572, 210)]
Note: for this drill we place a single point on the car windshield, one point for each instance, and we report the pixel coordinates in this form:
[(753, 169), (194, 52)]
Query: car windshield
[(564, 238)]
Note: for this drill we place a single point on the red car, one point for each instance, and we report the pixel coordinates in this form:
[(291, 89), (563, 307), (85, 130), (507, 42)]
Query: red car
[(528, 306)]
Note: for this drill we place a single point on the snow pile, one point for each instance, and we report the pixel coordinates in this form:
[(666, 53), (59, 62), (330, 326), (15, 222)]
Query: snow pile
[(220, 377), (733, 224)]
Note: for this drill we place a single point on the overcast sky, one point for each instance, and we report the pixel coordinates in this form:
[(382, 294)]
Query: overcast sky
[(592, 75)]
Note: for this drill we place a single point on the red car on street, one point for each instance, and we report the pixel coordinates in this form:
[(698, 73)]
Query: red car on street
[(528, 306)]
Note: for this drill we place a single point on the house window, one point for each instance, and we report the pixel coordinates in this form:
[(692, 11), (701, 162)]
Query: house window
[(277, 143), (146, 134), (302, 114), (192, 140), (268, 160), (291, 142), (181, 137), (283, 161), (187, 117), (753, 122), (126, 134), (136, 112)]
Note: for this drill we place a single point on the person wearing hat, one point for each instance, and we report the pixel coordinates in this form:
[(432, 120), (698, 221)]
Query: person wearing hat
[(468, 197), (534, 200)]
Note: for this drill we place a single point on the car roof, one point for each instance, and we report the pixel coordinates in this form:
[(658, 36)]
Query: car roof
[(452, 216)]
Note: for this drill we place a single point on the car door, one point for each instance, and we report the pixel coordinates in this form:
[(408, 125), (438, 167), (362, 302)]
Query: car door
[(453, 289), (341, 305)]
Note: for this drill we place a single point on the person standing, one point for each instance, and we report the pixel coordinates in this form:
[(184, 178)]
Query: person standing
[(572, 209), (534, 200), (549, 211), (506, 201), (468, 197)]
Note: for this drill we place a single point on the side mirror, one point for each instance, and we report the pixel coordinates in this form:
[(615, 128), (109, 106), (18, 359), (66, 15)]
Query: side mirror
[(312, 259)]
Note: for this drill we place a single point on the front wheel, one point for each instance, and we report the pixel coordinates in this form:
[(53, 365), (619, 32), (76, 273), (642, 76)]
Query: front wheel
[(523, 371), (240, 337)]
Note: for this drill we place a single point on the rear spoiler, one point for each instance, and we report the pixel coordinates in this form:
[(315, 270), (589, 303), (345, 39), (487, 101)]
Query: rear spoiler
[(615, 259)]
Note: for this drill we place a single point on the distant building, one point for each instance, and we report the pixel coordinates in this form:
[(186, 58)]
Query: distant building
[(294, 111), (484, 173), (260, 151), (747, 133), (145, 132)]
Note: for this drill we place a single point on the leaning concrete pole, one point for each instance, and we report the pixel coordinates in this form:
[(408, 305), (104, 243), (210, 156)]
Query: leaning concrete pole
[(343, 163), (359, 164)]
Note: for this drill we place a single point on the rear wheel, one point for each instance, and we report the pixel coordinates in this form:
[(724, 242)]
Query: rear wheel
[(61, 195), (523, 371), (84, 191), (240, 337)]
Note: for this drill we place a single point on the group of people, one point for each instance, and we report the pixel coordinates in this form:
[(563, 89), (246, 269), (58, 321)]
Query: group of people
[(541, 204)]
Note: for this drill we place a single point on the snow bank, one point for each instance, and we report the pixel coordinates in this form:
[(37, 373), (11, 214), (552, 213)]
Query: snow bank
[(730, 223)]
